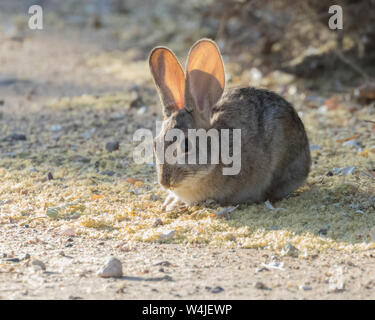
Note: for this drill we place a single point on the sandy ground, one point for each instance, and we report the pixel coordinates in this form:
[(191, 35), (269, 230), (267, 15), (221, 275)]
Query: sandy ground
[(154, 271), (50, 64)]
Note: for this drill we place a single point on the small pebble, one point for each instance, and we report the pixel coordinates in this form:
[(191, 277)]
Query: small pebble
[(15, 137), (111, 269), (157, 222), (56, 127), (38, 264), (26, 256), (351, 143), (167, 235), (69, 232), (261, 286), (329, 174), (343, 171), (49, 176), (305, 287), (315, 147), (112, 146), (142, 110), (290, 250), (217, 289), (108, 173)]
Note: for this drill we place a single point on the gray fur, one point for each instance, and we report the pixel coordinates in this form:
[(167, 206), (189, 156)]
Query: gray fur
[(275, 157)]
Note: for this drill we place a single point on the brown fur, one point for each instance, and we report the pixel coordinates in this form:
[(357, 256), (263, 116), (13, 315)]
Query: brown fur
[(275, 158)]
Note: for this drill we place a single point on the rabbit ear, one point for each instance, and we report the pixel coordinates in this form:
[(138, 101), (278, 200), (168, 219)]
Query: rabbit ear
[(205, 78), (169, 79)]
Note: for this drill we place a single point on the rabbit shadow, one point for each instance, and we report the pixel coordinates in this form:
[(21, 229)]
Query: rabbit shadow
[(340, 214)]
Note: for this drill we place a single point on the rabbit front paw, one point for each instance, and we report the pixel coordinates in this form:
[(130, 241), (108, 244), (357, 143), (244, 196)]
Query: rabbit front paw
[(171, 202)]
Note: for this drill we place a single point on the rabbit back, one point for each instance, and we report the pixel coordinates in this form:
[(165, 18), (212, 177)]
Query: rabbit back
[(275, 157)]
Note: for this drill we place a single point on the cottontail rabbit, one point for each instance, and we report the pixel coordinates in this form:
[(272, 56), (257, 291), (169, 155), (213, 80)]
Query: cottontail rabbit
[(275, 155)]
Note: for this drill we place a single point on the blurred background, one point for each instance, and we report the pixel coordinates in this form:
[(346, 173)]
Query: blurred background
[(256, 37)]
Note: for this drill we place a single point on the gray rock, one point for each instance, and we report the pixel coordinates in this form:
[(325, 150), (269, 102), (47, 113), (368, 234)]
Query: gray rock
[(112, 146), (108, 173), (15, 137), (261, 286), (111, 269), (37, 264)]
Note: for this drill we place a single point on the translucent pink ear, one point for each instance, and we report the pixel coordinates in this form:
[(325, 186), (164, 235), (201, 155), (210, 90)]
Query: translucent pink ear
[(169, 78), (205, 74)]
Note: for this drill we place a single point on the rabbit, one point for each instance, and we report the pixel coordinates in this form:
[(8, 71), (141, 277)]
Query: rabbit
[(275, 153)]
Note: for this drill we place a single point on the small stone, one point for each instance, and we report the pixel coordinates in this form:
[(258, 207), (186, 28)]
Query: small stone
[(351, 143), (26, 256), (49, 176), (69, 232), (260, 285), (290, 250), (56, 127), (116, 117), (305, 287), (108, 173), (329, 174), (154, 197), (15, 137), (315, 147), (225, 211), (13, 260), (86, 135), (157, 222), (142, 110), (111, 269), (336, 281), (217, 289), (112, 146), (167, 235), (343, 171), (38, 264)]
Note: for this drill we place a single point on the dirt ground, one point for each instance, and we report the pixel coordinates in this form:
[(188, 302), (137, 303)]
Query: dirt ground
[(70, 203)]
